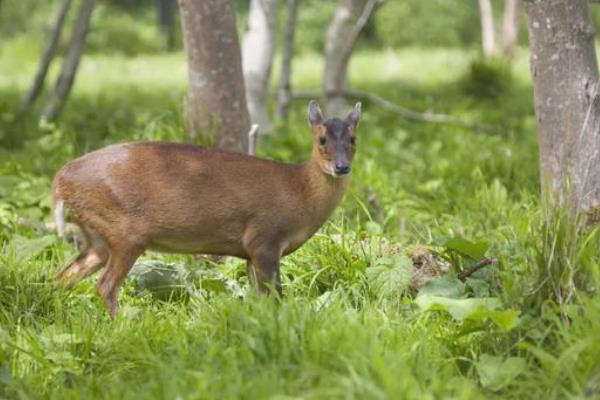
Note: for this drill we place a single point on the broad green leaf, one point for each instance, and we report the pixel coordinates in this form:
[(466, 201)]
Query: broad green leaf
[(506, 319), (495, 373), (444, 286), (475, 250), (24, 249), (459, 309), (390, 275), (162, 281), (479, 287)]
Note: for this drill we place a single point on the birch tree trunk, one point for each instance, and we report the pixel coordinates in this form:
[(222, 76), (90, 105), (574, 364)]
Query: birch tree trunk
[(257, 56), (70, 63), (216, 100), (284, 90), (487, 27), (567, 103), (510, 28), (348, 21), (47, 57)]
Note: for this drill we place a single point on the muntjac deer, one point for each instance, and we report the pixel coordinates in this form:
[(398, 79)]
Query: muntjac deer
[(130, 197)]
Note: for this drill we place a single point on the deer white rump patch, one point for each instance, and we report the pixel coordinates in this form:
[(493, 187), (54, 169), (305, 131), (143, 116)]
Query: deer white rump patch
[(59, 217)]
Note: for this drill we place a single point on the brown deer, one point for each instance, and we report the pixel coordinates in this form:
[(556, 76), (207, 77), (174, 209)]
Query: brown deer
[(127, 198)]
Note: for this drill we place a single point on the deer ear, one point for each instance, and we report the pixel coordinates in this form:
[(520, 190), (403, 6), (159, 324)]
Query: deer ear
[(315, 116), (354, 116)]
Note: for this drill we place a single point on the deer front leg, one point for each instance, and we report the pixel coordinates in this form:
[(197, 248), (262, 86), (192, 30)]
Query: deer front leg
[(263, 271), (120, 261)]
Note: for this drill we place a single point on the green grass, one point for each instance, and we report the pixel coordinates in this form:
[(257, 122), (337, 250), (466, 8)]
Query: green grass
[(349, 326)]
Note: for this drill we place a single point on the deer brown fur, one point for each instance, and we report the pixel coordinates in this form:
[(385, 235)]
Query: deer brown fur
[(130, 197)]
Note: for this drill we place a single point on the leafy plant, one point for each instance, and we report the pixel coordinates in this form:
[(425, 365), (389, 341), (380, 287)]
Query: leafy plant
[(496, 373), (390, 276)]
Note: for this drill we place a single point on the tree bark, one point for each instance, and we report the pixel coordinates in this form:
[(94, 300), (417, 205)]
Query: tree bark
[(284, 91), (257, 56), (510, 28), (567, 102), (487, 28), (47, 57), (165, 10), (216, 100), (70, 63), (349, 19)]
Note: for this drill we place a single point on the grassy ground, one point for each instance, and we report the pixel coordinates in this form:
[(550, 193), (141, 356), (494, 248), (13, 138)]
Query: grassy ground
[(352, 324)]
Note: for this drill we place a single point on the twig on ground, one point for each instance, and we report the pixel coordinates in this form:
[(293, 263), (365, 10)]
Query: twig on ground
[(476, 267)]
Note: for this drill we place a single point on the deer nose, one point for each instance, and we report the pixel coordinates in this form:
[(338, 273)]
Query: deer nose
[(342, 169)]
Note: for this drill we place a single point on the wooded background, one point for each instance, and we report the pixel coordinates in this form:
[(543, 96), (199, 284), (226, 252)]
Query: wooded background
[(463, 262)]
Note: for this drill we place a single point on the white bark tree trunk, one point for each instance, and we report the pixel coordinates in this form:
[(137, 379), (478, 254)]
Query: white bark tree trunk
[(216, 100), (348, 21), (47, 57), (510, 28), (257, 56), (487, 28), (567, 103), (70, 63)]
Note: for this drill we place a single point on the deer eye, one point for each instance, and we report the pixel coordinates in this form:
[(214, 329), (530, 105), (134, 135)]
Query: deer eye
[(353, 140), (322, 140)]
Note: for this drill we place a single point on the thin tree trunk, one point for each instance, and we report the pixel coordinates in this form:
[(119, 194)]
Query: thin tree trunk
[(216, 100), (350, 18), (487, 28), (284, 91), (47, 57), (510, 28), (257, 56), (70, 63), (166, 21), (567, 102)]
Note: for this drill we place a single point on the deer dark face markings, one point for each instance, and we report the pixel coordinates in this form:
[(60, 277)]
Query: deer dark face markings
[(335, 140)]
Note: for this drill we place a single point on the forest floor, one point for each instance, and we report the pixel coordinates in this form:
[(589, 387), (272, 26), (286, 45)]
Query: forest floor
[(358, 319)]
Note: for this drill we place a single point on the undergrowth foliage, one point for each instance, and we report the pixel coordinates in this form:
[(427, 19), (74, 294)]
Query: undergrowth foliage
[(383, 302)]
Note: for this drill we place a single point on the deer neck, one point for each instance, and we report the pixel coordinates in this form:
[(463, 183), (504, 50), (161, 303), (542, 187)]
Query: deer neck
[(323, 192)]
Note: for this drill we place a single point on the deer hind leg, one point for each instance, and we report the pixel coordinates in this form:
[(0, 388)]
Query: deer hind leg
[(263, 271), (93, 256), (120, 261)]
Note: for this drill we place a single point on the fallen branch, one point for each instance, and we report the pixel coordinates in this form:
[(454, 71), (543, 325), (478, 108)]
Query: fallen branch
[(402, 111), (476, 267)]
